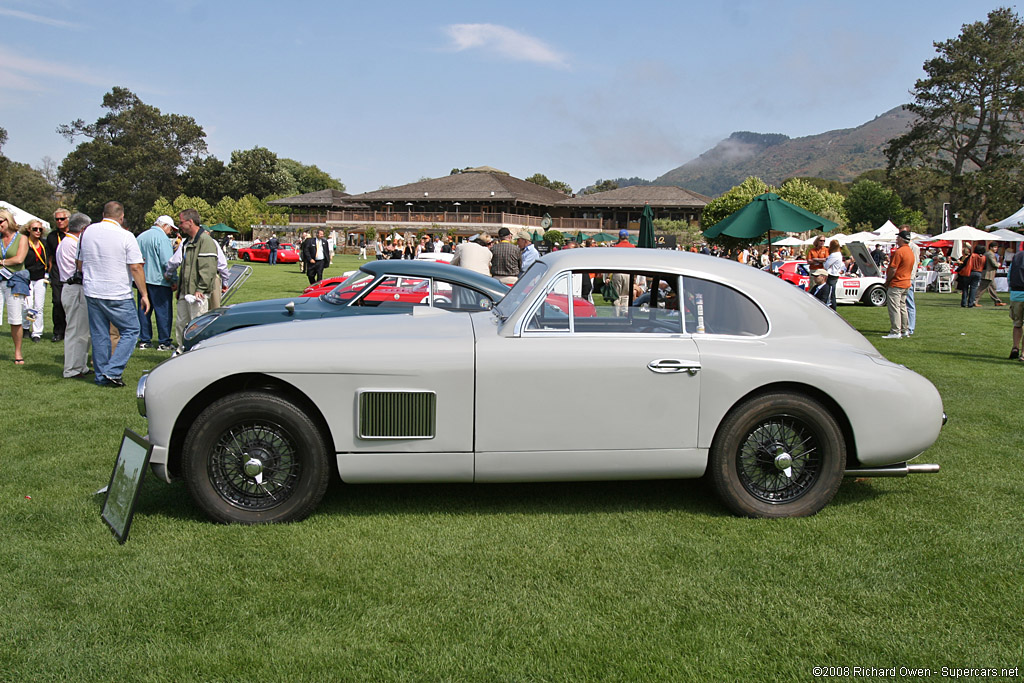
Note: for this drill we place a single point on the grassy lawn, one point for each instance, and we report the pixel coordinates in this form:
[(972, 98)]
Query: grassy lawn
[(606, 581)]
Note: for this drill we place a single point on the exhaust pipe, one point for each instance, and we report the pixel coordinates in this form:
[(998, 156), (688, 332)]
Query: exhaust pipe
[(900, 470)]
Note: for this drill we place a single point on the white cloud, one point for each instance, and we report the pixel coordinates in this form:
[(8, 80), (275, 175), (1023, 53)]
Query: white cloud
[(504, 42), (27, 16), (19, 72)]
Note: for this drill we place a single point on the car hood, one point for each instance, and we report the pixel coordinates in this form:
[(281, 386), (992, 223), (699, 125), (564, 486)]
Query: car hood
[(305, 307), (423, 323)]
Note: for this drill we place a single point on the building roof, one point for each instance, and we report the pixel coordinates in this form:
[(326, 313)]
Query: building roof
[(328, 198), (658, 196), (471, 186)]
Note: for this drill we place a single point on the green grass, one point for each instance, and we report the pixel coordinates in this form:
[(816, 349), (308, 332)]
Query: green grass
[(604, 581)]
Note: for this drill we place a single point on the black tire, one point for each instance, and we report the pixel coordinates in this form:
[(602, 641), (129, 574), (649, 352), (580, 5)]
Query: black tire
[(246, 257), (875, 296), (750, 449), (255, 458)]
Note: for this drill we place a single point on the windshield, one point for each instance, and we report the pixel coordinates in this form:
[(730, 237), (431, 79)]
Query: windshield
[(344, 292), (521, 290)]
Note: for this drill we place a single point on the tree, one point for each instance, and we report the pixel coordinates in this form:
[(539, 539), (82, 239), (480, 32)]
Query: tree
[(732, 201), (257, 172), (206, 178), (871, 204), (132, 154), (309, 178), (828, 205), (970, 109), (602, 186), (542, 180), (24, 186)]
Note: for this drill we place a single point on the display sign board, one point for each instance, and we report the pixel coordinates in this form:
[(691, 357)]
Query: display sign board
[(125, 483)]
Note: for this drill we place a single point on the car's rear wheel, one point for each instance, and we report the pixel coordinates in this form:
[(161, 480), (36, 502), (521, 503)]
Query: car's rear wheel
[(246, 257), (778, 455), (255, 458), (875, 296)]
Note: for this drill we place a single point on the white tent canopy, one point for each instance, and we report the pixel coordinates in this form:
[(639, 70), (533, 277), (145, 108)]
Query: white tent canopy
[(887, 230), (23, 216), (1014, 221), (964, 232), (1004, 235)]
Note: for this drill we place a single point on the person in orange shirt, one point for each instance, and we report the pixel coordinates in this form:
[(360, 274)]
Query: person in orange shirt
[(817, 254), (898, 279)]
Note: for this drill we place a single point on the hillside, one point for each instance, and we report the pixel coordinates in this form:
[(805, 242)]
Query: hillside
[(837, 155)]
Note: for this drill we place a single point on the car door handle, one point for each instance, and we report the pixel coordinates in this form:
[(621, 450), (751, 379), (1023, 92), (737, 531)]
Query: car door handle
[(669, 365)]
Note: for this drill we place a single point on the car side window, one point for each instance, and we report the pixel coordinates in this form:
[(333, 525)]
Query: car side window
[(646, 304), (392, 292), (456, 297), (714, 308)]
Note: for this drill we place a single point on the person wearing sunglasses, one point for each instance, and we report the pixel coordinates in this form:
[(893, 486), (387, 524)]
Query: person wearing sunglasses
[(53, 239), (13, 248), (36, 260)]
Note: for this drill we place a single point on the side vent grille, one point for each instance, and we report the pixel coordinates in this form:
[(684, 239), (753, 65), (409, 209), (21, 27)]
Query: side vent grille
[(397, 414)]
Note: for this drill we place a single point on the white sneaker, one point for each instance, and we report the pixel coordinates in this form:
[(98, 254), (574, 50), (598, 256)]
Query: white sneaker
[(907, 334), (892, 336)]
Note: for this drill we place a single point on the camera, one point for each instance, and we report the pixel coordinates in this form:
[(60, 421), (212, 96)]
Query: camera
[(75, 279)]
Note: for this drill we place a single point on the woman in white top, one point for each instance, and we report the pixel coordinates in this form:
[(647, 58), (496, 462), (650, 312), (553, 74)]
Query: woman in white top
[(835, 267)]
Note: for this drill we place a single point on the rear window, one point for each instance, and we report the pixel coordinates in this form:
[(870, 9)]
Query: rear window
[(714, 308)]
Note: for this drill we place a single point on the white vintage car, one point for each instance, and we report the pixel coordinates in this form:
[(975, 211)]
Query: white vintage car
[(734, 374)]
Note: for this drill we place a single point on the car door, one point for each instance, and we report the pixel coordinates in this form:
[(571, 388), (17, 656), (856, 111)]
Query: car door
[(564, 397)]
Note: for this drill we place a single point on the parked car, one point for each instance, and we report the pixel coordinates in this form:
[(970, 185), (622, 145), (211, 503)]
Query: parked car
[(739, 376), (866, 288), (260, 252), (379, 287), (329, 283)]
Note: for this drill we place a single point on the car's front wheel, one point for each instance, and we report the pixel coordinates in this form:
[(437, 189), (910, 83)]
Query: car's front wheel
[(246, 257), (778, 455), (875, 296), (255, 458)]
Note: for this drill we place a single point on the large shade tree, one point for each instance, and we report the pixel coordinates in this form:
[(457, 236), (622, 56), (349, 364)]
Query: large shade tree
[(970, 109), (133, 154)]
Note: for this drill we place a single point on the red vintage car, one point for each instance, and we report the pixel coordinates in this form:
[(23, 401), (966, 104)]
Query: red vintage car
[(260, 252), (866, 289), (417, 290)]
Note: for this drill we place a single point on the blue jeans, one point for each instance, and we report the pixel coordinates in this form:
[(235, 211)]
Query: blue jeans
[(121, 314), (911, 310), (160, 301), (970, 292), (273, 257)]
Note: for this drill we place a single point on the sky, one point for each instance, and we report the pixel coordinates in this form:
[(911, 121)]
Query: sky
[(387, 93)]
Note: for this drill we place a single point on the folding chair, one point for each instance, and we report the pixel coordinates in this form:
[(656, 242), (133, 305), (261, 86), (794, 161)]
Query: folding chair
[(944, 283), (921, 281)]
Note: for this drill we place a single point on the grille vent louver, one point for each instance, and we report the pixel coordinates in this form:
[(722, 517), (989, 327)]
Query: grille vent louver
[(397, 414)]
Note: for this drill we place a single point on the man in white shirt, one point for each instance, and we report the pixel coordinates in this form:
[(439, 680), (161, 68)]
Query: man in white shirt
[(474, 255), (110, 260), (76, 312)]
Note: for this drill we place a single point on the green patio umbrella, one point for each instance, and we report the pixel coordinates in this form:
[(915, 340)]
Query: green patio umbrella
[(646, 237), (580, 237), (768, 213), (221, 227), (603, 237)]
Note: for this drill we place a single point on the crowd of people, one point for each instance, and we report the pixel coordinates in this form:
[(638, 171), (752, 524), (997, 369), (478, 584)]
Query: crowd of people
[(92, 269)]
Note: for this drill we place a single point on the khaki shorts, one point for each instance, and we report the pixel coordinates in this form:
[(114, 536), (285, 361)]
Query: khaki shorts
[(1017, 313)]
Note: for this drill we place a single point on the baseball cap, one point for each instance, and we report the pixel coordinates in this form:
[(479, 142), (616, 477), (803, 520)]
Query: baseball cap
[(905, 235), (819, 271), (623, 233), (165, 220)]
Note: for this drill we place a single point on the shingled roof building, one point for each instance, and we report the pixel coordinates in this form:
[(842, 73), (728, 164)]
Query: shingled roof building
[(486, 199)]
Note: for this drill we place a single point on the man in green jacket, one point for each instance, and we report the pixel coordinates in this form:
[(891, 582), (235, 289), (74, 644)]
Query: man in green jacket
[(198, 271)]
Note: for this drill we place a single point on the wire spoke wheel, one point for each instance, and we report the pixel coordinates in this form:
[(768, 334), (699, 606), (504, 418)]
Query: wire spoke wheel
[(778, 455), (779, 460), (255, 458), (254, 465)]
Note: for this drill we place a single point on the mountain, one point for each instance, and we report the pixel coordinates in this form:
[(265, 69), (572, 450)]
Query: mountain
[(836, 155)]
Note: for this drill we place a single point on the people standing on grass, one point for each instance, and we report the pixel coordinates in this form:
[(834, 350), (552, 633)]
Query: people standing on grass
[(76, 337), (1016, 282), (198, 276), (835, 267), (110, 260), (988, 276), (14, 283), (898, 279), (155, 245), (53, 239), (36, 261)]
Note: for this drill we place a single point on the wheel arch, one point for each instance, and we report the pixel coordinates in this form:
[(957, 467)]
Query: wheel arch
[(233, 384), (810, 391)]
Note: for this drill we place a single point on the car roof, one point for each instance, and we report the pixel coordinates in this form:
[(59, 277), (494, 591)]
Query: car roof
[(436, 269)]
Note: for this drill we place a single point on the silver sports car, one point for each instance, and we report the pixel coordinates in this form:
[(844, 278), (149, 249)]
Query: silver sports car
[(719, 370)]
